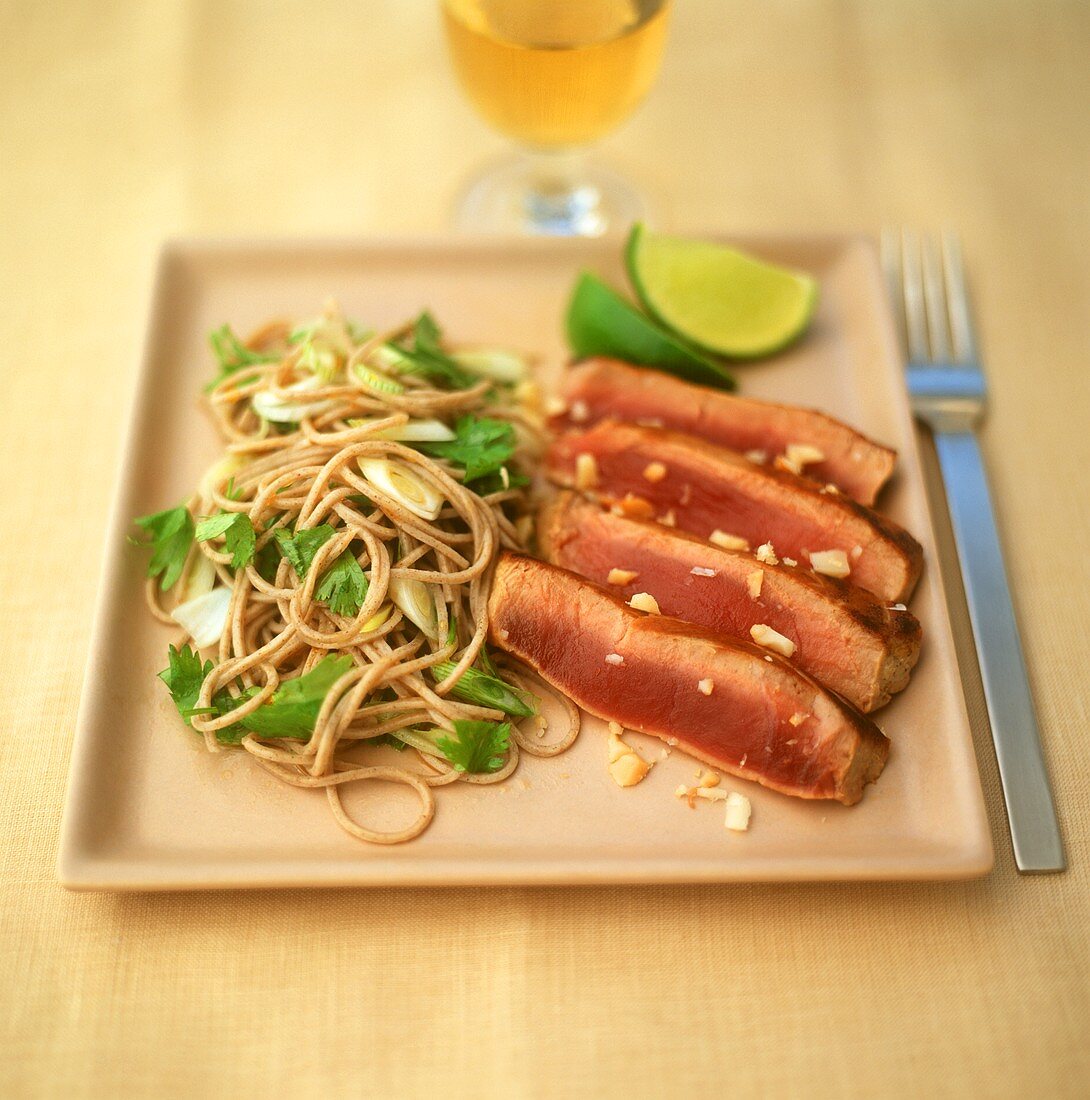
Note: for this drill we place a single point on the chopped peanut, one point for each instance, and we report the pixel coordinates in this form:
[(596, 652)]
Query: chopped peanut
[(614, 659), (770, 639), (797, 719), (760, 457), (626, 766), (705, 687), (654, 471), (579, 411), (833, 563), (710, 780), (586, 471), (766, 552), (669, 519), (782, 462), (702, 571), (754, 582), (802, 454), (644, 601), (710, 793), (738, 812), (621, 576), (634, 507), (790, 561), (727, 542)]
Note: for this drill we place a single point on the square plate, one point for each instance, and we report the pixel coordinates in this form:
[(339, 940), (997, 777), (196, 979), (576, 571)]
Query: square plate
[(148, 808)]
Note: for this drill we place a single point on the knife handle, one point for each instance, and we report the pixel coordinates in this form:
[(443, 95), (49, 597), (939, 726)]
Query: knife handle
[(1035, 832)]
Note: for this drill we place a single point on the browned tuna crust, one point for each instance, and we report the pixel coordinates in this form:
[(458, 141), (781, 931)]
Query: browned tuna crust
[(600, 389), (704, 488), (757, 716), (845, 638)]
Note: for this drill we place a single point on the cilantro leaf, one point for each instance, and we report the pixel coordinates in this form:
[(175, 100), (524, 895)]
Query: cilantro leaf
[(267, 561), (421, 354), (481, 444), (171, 536), (232, 354), (183, 678), (476, 746), (343, 585), (494, 483), (301, 546), (294, 707), (238, 532)]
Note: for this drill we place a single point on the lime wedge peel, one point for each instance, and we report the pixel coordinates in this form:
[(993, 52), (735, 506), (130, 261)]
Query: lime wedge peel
[(717, 298), (602, 322)]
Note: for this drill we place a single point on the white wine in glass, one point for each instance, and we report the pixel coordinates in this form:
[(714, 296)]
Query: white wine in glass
[(554, 75)]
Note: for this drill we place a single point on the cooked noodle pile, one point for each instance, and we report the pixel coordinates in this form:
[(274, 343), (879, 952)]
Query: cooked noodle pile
[(306, 418)]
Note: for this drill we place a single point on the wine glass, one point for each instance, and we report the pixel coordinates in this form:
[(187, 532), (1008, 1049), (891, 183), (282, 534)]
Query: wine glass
[(555, 75)]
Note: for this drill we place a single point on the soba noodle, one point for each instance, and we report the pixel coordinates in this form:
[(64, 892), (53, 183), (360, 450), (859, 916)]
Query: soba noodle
[(299, 475)]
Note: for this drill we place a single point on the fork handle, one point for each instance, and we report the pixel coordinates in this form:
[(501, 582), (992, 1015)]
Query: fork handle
[(1034, 829)]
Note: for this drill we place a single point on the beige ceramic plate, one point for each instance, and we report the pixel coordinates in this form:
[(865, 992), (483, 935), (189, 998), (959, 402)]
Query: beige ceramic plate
[(149, 809)]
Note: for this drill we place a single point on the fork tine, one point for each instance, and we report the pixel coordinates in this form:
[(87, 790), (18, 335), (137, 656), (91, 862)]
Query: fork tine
[(935, 297), (957, 298), (915, 315)]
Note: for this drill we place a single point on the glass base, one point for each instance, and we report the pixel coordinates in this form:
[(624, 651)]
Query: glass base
[(548, 194)]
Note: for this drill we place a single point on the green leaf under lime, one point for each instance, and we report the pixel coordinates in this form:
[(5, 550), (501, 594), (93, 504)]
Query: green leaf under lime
[(602, 322), (718, 298)]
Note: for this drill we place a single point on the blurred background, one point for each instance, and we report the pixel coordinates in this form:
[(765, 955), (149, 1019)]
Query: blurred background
[(123, 122)]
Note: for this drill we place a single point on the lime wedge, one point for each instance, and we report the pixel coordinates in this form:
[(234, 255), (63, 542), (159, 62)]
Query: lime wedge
[(601, 322), (718, 298)]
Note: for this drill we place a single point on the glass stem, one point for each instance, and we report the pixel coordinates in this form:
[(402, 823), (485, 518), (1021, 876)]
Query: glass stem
[(560, 201)]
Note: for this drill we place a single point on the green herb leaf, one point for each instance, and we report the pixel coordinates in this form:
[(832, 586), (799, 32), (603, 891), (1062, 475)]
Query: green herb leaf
[(294, 707), (494, 483), (171, 536), (343, 585), (421, 354), (232, 354), (476, 746), (267, 561), (481, 444), (301, 546), (238, 535), (484, 690), (183, 678)]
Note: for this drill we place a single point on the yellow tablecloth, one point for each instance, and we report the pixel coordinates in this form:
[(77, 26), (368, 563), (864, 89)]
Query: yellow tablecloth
[(122, 123)]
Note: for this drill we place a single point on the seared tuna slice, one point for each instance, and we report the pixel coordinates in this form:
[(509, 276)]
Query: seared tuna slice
[(729, 704), (683, 481), (845, 638), (601, 389)]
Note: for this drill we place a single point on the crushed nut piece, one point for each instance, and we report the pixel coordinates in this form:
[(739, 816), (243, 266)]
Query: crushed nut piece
[(754, 581), (831, 489), (797, 719), (710, 793), (727, 542), (738, 812), (504, 634), (621, 576), (898, 607), (856, 552), (789, 561), (782, 462), (701, 571), (586, 471), (614, 659), (669, 519), (681, 791), (760, 457), (771, 639), (710, 780), (803, 454), (766, 552), (634, 507), (832, 563), (579, 411), (626, 766), (654, 471), (644, 601), (793, 741), (705, 687)]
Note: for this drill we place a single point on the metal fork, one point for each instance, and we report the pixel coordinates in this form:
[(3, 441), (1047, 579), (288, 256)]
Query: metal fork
[(948, 394)]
